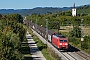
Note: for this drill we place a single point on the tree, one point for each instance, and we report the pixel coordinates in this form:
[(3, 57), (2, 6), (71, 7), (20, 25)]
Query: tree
[(68, 13), (11, 36), (10, 42), (0, 16), (16, 17), (75, 32)]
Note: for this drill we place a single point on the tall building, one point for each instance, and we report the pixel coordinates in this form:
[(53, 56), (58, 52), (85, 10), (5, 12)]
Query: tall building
[(74, 10)]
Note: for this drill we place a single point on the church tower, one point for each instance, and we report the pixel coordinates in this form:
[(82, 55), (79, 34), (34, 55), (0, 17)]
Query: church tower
[(74, 10)]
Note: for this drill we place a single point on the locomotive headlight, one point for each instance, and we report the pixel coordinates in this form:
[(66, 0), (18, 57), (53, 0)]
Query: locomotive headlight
[(60, 43), (66, 44)]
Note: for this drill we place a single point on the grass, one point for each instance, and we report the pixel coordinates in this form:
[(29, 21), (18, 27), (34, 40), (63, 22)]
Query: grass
[(85, 29), (48, 54)]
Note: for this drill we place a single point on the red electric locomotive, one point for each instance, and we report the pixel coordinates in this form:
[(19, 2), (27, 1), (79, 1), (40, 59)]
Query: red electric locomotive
[(60, 41)]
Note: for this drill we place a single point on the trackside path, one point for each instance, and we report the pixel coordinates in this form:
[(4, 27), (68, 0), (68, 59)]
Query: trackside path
[(34, 51)]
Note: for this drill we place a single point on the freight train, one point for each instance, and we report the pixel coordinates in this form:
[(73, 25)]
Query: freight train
[(59, 41)]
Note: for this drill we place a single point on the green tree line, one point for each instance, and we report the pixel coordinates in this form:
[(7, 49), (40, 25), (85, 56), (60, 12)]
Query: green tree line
[(64, 18), (11, 35)]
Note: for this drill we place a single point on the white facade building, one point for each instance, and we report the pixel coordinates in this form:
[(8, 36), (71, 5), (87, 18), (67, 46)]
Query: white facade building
[(74, 10)]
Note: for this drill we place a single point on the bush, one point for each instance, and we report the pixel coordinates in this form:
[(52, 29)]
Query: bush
[(75, 32), (84, 45)]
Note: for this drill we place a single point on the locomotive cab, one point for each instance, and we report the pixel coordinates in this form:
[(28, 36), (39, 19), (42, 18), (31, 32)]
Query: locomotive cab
[(63, 42), (60, 41)]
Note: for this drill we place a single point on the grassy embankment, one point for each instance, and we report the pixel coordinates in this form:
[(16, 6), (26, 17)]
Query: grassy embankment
[(47, 52)]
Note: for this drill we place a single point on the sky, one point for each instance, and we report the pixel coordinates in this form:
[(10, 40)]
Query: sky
[(30, 4)]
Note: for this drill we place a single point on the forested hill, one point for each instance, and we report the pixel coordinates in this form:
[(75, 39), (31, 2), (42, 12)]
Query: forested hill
[(38, 10), (42, 10), (9, 11), (85, 9)]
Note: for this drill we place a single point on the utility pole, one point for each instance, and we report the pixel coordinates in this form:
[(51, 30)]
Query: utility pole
[(46, 28), (82, 37), (36, 24), (58, 26), (46, 32)]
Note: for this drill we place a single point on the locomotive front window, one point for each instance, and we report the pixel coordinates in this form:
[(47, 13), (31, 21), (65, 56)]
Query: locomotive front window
[(63, 40)]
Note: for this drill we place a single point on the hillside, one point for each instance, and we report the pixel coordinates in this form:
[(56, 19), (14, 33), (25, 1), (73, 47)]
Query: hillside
[(8, 11), (85, 9), (38, 10)]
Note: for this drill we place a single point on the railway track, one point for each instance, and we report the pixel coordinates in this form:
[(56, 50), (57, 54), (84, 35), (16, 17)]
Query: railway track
[(68, 56), (81, 54)]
